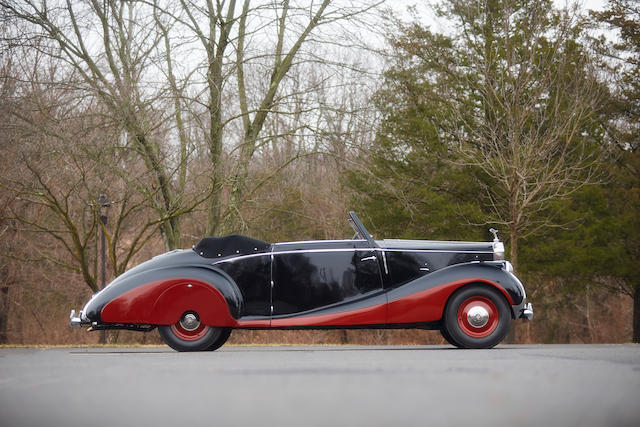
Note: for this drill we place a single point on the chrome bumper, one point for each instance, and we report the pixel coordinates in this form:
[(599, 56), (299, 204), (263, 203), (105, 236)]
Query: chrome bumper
[(77, 322), (527, 312)]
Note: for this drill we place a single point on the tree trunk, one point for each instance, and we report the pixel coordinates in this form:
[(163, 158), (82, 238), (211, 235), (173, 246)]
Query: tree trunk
[(4, 303), (636, 314), (215, 80), (4, 313), (253, 127), (215, 153), (344, 338), (169, 228)]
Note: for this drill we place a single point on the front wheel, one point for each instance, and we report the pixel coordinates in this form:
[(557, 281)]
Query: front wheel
[(447, 337), (189, 334), (476, 317)]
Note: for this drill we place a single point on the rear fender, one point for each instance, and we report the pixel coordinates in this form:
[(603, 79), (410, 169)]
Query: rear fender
[(164, 295), (191, 295)]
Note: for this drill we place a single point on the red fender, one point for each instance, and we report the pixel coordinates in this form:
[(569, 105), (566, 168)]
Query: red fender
[(196, 296), (163, 303), (428, 305)]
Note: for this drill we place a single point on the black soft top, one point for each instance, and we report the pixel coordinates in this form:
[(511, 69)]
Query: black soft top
[(233, 244)]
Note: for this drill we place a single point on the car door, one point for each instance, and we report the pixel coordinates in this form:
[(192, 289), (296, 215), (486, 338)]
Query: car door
[(252, 276), (310, 276)]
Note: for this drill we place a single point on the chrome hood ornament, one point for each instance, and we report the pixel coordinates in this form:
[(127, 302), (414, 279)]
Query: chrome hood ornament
[(498, 246)]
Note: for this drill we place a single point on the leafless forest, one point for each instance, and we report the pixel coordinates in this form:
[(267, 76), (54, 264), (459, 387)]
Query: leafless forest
[(267, 118)]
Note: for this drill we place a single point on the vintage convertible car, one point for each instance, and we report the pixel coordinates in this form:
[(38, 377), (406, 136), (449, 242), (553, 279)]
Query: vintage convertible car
[(195, 297)]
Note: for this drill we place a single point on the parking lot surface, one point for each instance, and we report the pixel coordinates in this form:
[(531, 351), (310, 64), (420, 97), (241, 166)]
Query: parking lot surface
[(541, 385)]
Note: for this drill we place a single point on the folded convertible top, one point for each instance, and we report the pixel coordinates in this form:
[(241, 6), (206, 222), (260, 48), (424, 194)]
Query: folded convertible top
[(233, 244)]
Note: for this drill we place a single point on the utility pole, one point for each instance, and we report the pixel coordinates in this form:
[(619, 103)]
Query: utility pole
[(103, 203)]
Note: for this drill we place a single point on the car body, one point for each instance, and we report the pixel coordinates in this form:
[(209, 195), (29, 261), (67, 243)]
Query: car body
[(197, 296)]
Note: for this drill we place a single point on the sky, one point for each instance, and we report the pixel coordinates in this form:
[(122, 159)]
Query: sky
[(437, 25), (423, 5)]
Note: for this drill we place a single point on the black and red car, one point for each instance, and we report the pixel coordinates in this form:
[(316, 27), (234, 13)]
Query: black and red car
[(196, 297)]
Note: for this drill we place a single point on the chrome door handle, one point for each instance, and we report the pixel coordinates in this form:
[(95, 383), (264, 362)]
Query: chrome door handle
[(369, 258)]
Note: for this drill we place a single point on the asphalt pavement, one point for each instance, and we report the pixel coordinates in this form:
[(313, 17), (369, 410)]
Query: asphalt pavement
[(545, 385)]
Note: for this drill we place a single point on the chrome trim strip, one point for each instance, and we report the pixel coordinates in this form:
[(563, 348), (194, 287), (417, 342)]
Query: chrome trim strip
[(240, 256), (297, 251), (424, 241), (383, 250), (435, 250), (295, 242), (384, 262)]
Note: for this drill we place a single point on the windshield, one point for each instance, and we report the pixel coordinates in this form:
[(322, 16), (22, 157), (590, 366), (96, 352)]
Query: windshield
[(359, 229), (358, 234)]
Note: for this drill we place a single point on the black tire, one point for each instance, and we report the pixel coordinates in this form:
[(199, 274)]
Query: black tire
[(448, 338), (465, 331), (224, 336), (194, 337)]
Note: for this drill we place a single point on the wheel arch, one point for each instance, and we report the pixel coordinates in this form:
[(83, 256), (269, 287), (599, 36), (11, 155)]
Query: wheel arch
[(424, 299), (483, 283), (193, 295), (155, 297)]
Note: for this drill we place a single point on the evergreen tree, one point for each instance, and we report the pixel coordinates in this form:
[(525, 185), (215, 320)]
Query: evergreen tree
[(411, 187), (496, 121), (623, 222)]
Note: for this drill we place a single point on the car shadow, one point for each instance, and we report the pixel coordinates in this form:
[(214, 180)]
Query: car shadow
[(283, 348), (123, 351), (337, 348)]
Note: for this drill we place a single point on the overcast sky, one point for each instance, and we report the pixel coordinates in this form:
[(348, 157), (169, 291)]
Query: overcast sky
[(424, 8), (424, 5)]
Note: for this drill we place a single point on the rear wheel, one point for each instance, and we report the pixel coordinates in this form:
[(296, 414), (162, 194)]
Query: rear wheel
[(189, 334), (224, 336), (476, 317)]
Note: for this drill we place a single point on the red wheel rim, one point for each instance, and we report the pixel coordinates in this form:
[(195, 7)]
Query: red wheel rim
[(474, 325), (186, 334)]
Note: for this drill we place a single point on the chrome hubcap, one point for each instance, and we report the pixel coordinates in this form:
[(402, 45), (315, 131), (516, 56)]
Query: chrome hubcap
[(190, 322), (478, 316)]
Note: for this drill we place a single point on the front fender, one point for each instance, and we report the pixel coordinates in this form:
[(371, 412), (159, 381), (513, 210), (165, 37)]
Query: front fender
[(424, 299)]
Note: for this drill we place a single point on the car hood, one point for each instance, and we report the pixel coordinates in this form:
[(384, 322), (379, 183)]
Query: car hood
[(435, 245)]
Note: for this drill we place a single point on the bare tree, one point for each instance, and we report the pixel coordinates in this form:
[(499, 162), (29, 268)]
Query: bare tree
[(58, 164), (308, 195), (249, 53), (110, 47), (232, 60)]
